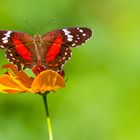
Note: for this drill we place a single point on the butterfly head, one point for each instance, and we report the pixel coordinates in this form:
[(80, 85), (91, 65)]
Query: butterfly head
[(37, 37)]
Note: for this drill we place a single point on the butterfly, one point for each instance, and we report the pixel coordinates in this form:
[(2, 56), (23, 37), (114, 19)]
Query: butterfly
[(51, 50)]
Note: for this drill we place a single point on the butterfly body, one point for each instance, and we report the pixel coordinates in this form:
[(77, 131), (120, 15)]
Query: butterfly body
[(51, 50), (39, 49)]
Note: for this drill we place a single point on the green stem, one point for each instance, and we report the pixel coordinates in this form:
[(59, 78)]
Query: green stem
[(48, 117)]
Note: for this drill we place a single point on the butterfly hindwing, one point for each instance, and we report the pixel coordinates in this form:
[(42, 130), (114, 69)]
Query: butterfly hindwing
[(56, 56), (21, 54)]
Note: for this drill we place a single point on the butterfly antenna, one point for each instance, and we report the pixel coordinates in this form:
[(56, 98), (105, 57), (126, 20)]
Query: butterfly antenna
[(49, 22), (29, 24)]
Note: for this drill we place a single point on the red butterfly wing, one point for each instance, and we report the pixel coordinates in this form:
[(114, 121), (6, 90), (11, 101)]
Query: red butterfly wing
[(58, 51), (19, 47)]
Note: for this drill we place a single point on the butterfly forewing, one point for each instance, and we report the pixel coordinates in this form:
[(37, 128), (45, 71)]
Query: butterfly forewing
[(70, 37), (9, 38)]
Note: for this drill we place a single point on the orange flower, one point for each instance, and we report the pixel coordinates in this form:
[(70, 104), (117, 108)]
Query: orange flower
[(15, 81)]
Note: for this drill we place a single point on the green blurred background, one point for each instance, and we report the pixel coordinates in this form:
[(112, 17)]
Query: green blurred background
[(101, 100)]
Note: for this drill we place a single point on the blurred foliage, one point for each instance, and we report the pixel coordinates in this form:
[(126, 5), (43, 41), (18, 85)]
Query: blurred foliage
[(101, 100)]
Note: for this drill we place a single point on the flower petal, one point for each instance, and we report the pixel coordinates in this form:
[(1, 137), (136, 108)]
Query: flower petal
[(10, 84), (47, 80), (22, 76)]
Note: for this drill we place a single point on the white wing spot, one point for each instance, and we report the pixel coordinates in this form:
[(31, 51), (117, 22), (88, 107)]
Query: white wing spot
[(84, 34), (78, 38), (2, 46), (81, 30), (7, 35), (73, 44), (66, 53), (77, 28), (4, 38), (11, 54), (64, 57), (5, 41), (66, 32), (69, 39), (70, 36)]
